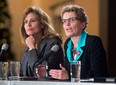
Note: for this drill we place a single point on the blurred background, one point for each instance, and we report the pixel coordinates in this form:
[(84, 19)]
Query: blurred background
[(101, 14)]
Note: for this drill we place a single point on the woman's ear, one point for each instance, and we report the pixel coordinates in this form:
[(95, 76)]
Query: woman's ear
[(83, 25)]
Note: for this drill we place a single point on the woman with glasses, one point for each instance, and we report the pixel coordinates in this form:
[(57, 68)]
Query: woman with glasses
[(80, 46), (42, 43)]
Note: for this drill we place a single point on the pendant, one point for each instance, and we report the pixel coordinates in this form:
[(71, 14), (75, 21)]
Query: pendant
[(77, 53), (73, 50)]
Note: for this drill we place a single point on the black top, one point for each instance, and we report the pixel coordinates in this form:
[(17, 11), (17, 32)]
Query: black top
[(93, 60), (32, 57)]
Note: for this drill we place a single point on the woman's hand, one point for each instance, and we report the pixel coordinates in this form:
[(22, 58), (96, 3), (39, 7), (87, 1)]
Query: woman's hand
[(41, 71), (30, 42), (59, 74)]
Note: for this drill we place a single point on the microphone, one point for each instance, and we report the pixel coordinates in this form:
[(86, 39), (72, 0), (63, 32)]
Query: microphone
[(54, 49), (4, 48)]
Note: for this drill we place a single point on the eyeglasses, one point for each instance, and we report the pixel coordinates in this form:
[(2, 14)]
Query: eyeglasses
[(72, 19)]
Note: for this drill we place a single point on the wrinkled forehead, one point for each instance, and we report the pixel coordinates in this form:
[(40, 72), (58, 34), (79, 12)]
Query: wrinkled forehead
[(68, 15)]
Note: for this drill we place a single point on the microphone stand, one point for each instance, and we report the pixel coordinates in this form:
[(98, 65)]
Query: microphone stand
[(1, 53), (46, 67)]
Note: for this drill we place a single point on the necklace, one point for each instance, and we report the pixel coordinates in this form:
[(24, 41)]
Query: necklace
[(75, 52)]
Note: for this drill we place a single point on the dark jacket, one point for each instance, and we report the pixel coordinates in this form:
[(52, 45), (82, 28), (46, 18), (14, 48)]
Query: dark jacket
[(93, 60), (31, 58)]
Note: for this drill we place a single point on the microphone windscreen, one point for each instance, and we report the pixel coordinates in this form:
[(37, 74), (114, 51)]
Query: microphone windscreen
[(4, 46), (55, 48)]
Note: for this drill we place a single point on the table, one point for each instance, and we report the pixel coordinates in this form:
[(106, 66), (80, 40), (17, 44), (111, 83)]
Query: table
[(17, 82), (4, 82)]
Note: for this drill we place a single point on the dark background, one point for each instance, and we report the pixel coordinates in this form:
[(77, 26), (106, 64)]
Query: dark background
[(112, 36)]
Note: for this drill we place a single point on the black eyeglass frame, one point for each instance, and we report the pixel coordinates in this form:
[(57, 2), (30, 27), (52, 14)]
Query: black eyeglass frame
[(69, 19)]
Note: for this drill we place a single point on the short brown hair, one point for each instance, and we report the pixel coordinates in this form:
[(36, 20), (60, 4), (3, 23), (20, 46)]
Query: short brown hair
[(79, 11)]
